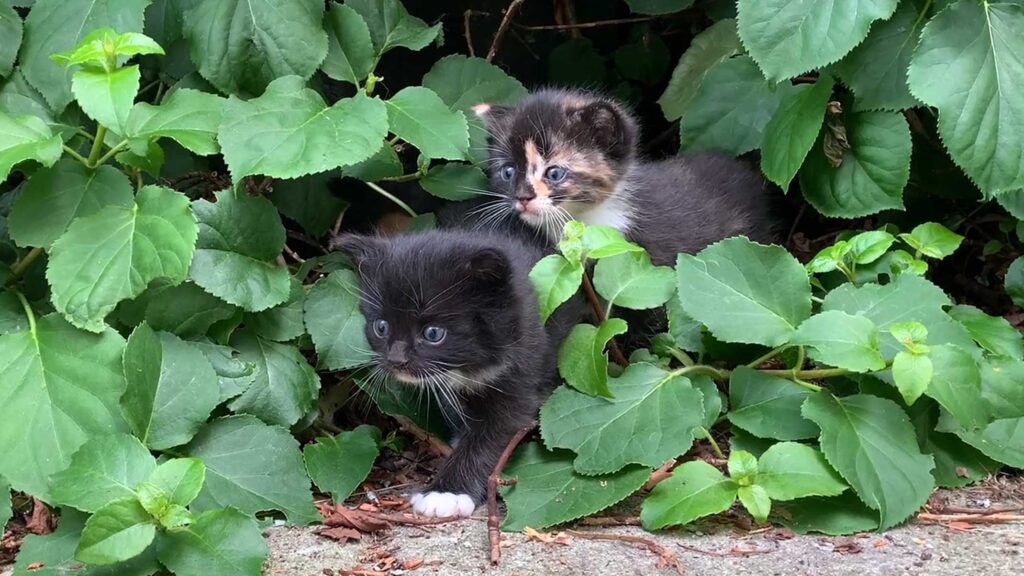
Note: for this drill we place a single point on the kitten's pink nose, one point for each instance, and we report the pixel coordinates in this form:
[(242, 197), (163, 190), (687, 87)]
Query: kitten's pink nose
[(523, 204)]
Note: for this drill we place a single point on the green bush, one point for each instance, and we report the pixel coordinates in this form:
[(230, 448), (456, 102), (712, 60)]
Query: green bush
[(161, 339)]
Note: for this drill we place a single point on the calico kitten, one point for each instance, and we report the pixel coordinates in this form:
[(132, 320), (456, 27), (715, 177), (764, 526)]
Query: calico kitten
[(454, 312), (561, 155)]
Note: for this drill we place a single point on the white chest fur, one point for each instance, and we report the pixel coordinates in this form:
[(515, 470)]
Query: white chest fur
[(614, 212)]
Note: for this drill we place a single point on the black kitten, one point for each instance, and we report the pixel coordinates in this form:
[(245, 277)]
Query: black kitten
[(454, 312), (561, 155)]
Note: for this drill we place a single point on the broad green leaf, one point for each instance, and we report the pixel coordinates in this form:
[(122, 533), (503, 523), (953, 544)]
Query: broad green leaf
[(54, 554), (713, 45), (172, 388), (350, 54), (104, 469), (239, 238), (55, 196), (767, 406), (582, 361), (286, 386), (1015, 281), (242, 46), (837, 516), (548, 491), (790, 37), (873, 172), (912, 374), (59, 387), (12, 315), (309, 201), (956, 386), (150, 157), (189, 117), (117, 532), (252, 467), (870, 441), (1001, 440), (98, 45), (956, 463), (789, 470), (1001, 387), (234, 375), (223, 542), (911, 335), (605, 242), (731, 108), (685, 331), (153, 500), (107, 97), (576, 62), (419, 116), (555, 279), (113, 254), (335, 322), (56, 26), (658, 6), (830, 258), (289, 132), (630, 281), (694, 490), (338, 464), (876, 70), (933, 240), (283, 322), (180, 478), (383, 164), (647, 421), (742, 467), (745, 292), (869, 246), (186, 310), (455, 181), (392, 26), (993, 333), (11, 30), (5, 503), (26, 138), (791, 132), (755, 499), (968, 66), (463, 82), (712, 400), (838, 339)]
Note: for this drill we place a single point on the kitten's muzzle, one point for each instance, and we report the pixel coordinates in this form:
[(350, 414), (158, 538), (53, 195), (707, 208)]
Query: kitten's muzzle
[(398, 354)]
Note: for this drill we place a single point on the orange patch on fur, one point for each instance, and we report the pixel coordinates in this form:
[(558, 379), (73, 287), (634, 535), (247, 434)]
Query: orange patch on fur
[(535, 170)]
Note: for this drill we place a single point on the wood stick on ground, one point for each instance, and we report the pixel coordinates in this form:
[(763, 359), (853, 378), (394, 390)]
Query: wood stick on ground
[(666, 556), (410, 520), (970, 518), (610, 521), (506, 21), (660, 474), (595, 304), (493, 535), (437, 446)]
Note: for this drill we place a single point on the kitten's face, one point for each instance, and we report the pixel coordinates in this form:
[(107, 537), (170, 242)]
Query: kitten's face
[(557, 154)]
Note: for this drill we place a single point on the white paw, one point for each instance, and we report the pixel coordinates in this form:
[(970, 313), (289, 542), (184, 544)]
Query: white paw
[(442, 504)]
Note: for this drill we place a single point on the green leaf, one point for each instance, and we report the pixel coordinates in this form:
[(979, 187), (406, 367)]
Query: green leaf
[(289, 132), (790, 37), (383, 164), (59, 386), (630, 281), (869, 246), (1001, 440), (712, 400), (933, 240), (789, 470), (223, 542), (26, 138), (576, 62), (455, 181), (56, 26), (555, 279), (845, 514), (391, 26), (742, 467), (150, 158), (685, 331), (604, 242), (767, 406), (694, 490), (548, 491), (281, 323), (239, 238), (956, 463), (104, 469), (335, 322), (755, 499), (286, 386), (350, 54), (731, 108), (338, 464), (870, 441), (241, 46), (713, 45), (658, 6), (873, 173), (113, 254), (912, 374), (838, 339), (582, 361), (993, 333), (829, 259), (956, 385), (419, 116), (791, 132), (10, 28), (1015, 281), (186, 310), (97, 45), (463, 82), (1000, 387), (172, 388), (647, 422), (55, 196), (876, 70), (180, 478), (253, 467), (745, 292), (309, 201), (189, 117), (968, 65), (5, 503), (107, 97), (119, 531), (234, 375)]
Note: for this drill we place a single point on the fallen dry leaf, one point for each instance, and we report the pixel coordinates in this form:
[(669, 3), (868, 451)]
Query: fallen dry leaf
[(412, 564), (880, 543), (957, 525), (41, 521), (341, 534), (546, 537), (342, 516), (35, 566)]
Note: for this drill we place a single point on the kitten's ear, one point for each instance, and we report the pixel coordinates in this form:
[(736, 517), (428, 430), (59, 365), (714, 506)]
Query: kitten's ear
[(606, 125), (357, 247), (489, 265), (490, 113)]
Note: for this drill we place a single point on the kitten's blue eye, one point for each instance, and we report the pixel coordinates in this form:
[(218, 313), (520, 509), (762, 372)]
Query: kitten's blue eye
[(381, 328), (555, 174), (434, 334), (508, 171)]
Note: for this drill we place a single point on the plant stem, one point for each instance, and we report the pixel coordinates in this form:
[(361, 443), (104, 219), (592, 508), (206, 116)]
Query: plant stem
[(28, 312), (682, 356), (76, 155), (393, 198), (768, 356), (97, 146), (702, 369), (22, 266), (110, 153), (808, 374), (714, 445), (403, 177)]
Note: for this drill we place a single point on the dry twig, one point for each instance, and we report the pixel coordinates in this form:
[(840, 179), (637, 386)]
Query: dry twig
[(436, 446), (666, 557), (595, 304), (493, 536), (660, 474), (506, 21)]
